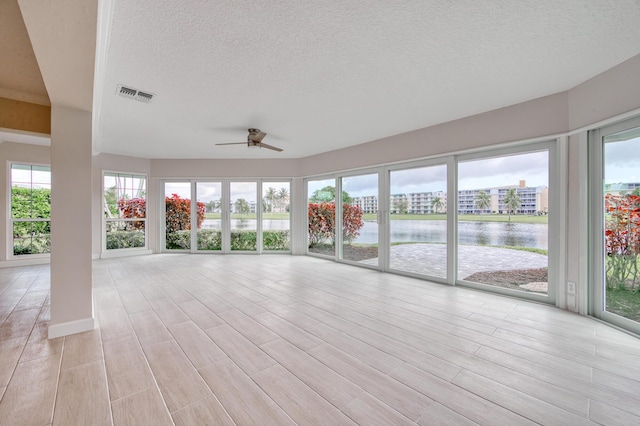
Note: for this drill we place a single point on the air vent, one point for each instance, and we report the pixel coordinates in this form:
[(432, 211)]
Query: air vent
[(131, 93)]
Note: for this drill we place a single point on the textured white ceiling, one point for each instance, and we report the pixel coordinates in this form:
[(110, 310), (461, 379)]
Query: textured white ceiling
[(318, 76)]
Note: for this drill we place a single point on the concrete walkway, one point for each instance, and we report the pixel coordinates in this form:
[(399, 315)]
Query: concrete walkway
[(431, 259)]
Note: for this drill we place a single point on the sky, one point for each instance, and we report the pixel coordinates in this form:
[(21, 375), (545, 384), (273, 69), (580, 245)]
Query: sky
[(622, 161), (208, 191), (476, 174)]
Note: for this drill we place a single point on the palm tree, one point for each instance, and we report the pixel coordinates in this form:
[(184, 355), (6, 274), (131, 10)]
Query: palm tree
[(437, 204), (270, 197), (511, 201), (483, 201), (242, 206), (283, 197)]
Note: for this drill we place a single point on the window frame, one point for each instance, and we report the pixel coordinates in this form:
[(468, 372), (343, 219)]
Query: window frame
[(105, 219), (11, 220)]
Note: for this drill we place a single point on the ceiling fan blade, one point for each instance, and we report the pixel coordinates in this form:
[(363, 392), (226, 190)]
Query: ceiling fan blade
[(264, 145), (232, 143), (258, 136)]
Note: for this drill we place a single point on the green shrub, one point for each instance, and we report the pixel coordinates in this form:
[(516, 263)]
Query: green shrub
[(241, 240), (275, 240), (178, 240), (32, 245), (209, 239), (124, 239)]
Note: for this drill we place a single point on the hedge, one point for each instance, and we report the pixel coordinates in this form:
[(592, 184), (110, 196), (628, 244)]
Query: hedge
[(211, 239)]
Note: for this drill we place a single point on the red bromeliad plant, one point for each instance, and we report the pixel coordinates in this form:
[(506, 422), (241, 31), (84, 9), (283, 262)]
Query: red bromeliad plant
[(622, 240), (178, 213), (322, 218)]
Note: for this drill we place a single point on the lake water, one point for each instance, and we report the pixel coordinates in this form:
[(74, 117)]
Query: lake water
[(533, 235)]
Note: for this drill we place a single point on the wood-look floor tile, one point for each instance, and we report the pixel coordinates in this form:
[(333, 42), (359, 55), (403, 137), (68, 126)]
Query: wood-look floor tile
[(134, 302), (241, 350), (81, 348), (200, 314), (398, 396), (30, 395), (39, 345), (149, 328), (107, 299), (143, 408), (457, 399), (247, 326), (207, 411), (127, 368), (607, 415), (436, 414), (10, 351), (177, 294), (19, 324), (198, 347), (32, 300), (288, 331), (82, 396), (168, 312), (180, 384), (241, 397), (114, 324), (518, 402), (324, 380), (370, 411), (2, 389), (297, 399)]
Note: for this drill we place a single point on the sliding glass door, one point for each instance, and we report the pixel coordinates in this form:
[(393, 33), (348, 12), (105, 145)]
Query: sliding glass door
[(359, 219), (224, 216), (615, 155), (418, 220)]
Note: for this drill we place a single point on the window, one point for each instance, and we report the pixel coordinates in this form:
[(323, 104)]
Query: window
[(503, 231), (31, 209), (276, 216), (125, 210)]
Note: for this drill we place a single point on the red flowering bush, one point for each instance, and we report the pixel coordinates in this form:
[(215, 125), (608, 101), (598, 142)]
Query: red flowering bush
[(622, 240), (132, 209), (322, 218), (178, 213)]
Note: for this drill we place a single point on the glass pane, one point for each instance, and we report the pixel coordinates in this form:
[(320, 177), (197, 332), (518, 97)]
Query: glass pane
[(418, 220), (209, 196), (178, 215), (31, 238), (244, 223), (122, 234), (275, 216), (360, 218), (622, 223), (321, 216), (30, 191), (503, 232)]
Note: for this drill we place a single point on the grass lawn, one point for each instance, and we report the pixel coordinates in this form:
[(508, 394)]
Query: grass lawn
[(466, 217), (624, 303)]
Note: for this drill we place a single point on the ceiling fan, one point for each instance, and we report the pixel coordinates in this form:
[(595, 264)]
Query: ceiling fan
[(254, 140)]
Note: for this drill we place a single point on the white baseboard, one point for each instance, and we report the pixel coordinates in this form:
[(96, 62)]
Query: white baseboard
[(71, 327), (25, 262), (124, 253)]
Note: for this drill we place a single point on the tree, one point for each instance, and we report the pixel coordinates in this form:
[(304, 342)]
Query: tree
[(283, 198), (328, 194), (213, 206), (512, 201), (270, 197), (483, 201), (242, 206), (401, 205), (437, 204)]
